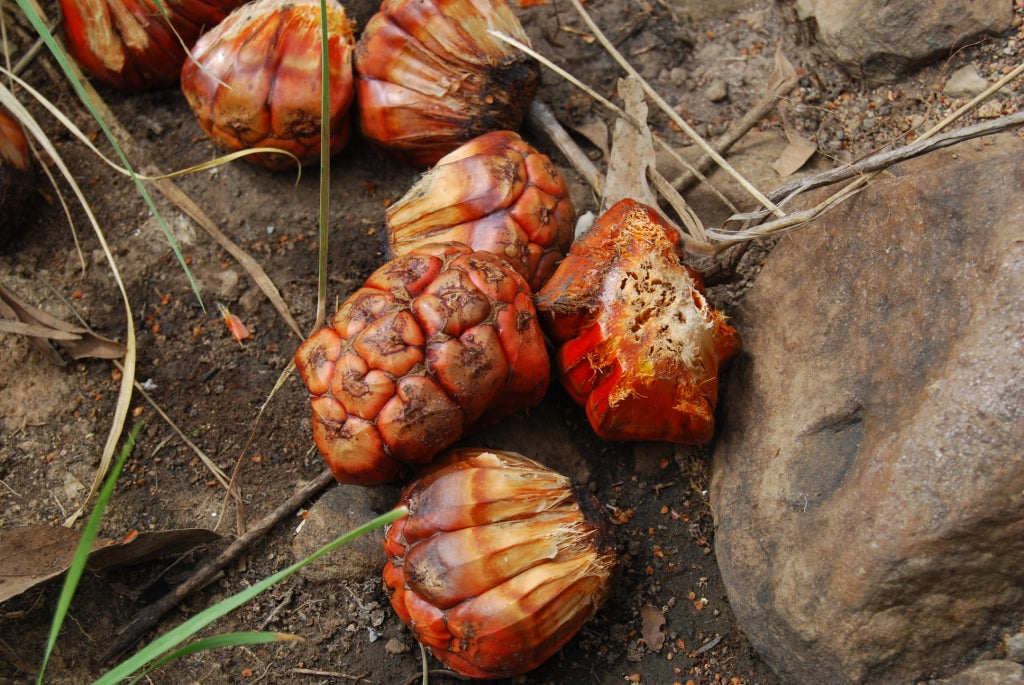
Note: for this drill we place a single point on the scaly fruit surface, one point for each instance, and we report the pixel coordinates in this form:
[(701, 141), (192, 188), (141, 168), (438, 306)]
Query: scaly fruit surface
[(129, 45), (495, 193), (430, 77), (639, 345), (255, 80), (499, 563), (436, 343)]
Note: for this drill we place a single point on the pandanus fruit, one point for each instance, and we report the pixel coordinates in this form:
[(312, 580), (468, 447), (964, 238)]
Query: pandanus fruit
[(436, 343), (494, 193), (130, 45), (499, 563), (639, 347), (430, 77), (256, 82)]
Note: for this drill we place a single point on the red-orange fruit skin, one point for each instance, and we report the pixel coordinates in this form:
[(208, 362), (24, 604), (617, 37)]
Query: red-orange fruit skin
[(437, 343), (430, 77), (639, 347), (129, 45), (255, 80), (499, 563), (495, 193)]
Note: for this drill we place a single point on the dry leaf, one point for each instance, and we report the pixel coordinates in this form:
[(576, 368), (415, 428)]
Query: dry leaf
[(652, 621), (795, 155), (19, 317), (596, 131), (31, 555), (783, 77), (632, 152)]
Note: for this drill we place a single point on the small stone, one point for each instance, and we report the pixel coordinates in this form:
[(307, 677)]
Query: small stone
[(230, 285), (395, 646), (965, 81), (716, 90), (880, 41), (250, 300), (991, 109)]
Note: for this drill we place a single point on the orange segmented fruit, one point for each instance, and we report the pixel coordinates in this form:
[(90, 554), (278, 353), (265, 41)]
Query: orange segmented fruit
[(499, 563)]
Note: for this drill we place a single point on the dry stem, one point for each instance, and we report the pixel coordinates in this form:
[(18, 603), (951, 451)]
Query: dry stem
[(148, 617)]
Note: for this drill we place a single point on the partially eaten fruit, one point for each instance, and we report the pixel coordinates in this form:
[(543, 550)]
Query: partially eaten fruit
[(639, 346)]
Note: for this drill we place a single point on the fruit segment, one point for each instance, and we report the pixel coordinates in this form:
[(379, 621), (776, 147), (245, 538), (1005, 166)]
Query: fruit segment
[(495, 193), (255, 80), (430, 77)]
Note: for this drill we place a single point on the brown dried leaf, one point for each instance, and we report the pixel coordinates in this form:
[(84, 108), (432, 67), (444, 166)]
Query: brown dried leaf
[(31, 555), (632, 152), (652, 621), (795, 155), (783, 76), (22, 318), (596, 131)]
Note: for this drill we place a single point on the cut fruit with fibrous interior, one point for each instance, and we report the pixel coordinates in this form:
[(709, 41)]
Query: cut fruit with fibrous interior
[(639, 345)]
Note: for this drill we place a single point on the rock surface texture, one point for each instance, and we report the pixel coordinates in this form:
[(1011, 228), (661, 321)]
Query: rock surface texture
[(868, 481), (882, 39)]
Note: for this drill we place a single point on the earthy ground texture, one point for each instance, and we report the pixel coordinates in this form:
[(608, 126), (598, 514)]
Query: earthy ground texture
[(195, 374)]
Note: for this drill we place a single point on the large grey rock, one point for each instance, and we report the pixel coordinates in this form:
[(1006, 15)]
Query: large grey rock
[(881, 39), (868, 481)]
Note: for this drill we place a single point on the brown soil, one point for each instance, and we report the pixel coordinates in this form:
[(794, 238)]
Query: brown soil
[(56, 418)]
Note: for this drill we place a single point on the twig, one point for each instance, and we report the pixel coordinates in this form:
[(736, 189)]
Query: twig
[(611, 106), (148, 617), (540, 117), (447, 673), (278, 608), (543, 119), (709, 645), (869, 165), (928, 141), (672, 114), (327, 674), (740, 128)]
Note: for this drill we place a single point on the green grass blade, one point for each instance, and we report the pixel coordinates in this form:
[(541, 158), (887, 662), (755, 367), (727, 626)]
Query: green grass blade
[(217, 642), (92, 526), (168, 641), (58, 53)]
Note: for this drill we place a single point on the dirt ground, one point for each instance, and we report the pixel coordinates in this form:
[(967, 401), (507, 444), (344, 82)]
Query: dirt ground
[(56, 418)]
